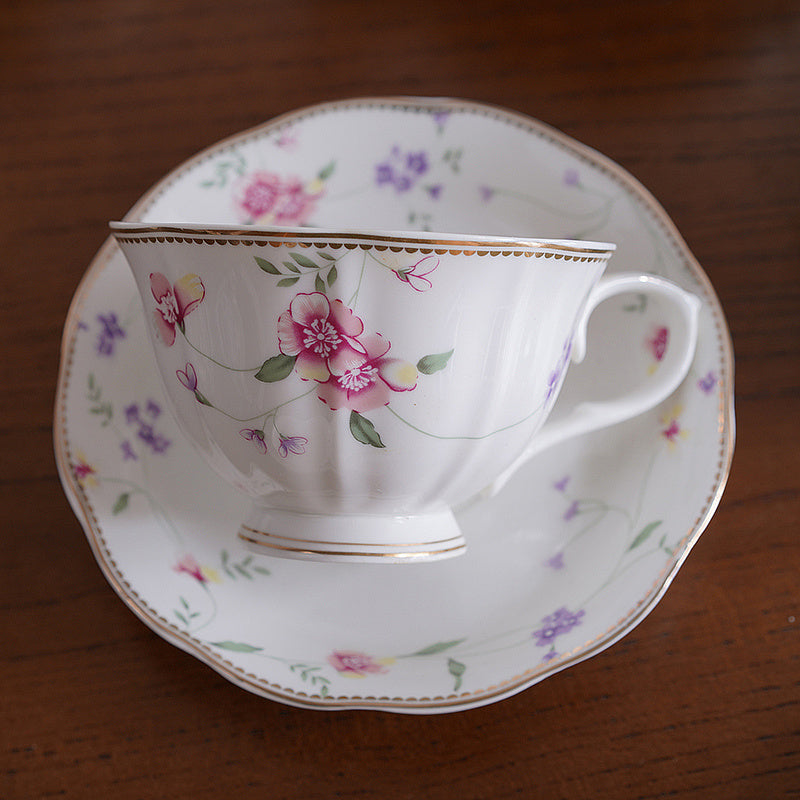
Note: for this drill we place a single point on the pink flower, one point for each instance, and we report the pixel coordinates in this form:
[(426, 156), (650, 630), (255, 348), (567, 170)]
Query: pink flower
[(320, 333), (355, 665), (84, 471), (672, 430), (267, 198), (365, 380), (658, 344), (189, 565), (174, 303), (416, 276)]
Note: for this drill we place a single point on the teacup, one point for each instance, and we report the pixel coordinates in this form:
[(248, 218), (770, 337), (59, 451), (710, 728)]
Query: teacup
[(360, 385)]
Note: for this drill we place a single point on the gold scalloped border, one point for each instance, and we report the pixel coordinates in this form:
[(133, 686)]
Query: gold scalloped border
[(398, 244), (453, 701)]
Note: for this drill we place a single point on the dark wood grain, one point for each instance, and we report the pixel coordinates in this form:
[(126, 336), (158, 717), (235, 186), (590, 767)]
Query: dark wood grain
[(699, 99)]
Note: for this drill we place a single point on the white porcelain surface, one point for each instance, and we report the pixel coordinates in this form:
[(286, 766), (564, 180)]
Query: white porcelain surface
[(571, 554)]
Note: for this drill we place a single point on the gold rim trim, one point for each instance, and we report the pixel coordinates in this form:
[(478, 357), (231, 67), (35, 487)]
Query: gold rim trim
[(407, 554), (381, 242), (256, 531), (453, 701)]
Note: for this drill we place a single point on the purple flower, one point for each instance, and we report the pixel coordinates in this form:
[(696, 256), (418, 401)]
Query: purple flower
[(127, 452), (110, 330), (707, 384), (402, 183), (561, 486), (556, 561), (440, 118), (384, 174), (292, 444), (188, 377), (435, 191), (550, 655), (558, 373), (156, 442), (556, 624), (486, 193), (401, 169), (572, 177), (256, 437), (572, 511), (417, 163)]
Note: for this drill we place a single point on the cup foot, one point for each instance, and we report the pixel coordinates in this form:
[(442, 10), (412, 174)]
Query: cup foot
[(366, 539)]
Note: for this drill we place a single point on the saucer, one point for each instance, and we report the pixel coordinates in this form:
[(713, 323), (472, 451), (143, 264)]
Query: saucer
[(566, 559)]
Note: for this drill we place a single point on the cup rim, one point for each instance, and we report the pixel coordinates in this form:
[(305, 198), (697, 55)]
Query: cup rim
[(182, 232)]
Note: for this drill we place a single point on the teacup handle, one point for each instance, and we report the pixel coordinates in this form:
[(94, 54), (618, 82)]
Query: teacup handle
[(589, 416)]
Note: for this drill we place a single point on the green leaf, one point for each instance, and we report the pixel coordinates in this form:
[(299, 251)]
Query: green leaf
[(276, 368), (267, 266), (437, 648), (364, 431), (332, 276), (236, 647), (644, 534), (457, 670), (319, 284), (201, 398), (327, 171), (181, 618), (433, 363), (303, 261), (121, 503), (287, 282), (290, 266), (326, 256)]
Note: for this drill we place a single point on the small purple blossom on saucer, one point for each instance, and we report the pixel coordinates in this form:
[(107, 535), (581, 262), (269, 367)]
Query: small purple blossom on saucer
[(556, 561), (707, 383), (128, 453), (556, 624), (572, 177), (110, 331), (572, 511), (561, 485)]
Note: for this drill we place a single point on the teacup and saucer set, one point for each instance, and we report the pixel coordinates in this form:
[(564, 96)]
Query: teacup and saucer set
[(399, 404)]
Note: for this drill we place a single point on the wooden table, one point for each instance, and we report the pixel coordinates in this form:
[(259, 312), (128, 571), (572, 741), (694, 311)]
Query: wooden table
[(700, 100)]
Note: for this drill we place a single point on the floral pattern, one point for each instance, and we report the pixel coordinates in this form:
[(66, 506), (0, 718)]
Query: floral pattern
[(319, 335), (554, 625), (265, 198), (174, 302), (352, 664), (258, 195), (401, 169), (320, 340)]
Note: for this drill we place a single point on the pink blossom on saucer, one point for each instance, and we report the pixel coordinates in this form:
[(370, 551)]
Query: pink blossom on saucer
[(355, 665)]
